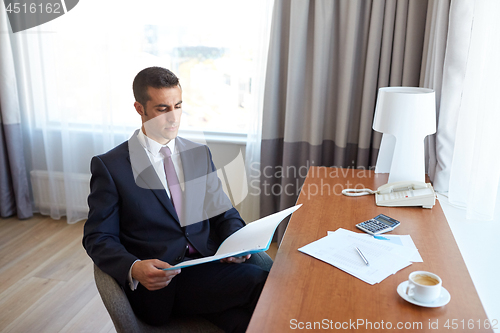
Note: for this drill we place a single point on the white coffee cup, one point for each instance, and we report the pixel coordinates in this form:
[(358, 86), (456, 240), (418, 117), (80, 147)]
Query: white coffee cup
[(423, 286)]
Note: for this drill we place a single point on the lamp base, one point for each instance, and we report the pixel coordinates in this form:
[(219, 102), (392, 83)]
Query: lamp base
[(403, 159)]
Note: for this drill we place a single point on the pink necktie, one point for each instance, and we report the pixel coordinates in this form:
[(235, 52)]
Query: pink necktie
[(174, 186), (172, 180)]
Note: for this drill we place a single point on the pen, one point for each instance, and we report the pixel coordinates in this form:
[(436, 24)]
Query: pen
[(362, 256)]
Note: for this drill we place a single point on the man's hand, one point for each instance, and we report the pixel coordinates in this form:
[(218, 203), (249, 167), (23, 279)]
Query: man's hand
[(235, 260), (147, 272)]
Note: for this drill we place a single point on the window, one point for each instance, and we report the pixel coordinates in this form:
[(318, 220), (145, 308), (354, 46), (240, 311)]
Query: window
[(100, 46)]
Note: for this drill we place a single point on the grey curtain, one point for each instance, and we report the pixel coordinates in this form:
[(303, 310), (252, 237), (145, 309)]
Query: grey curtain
[(14, 188), (327, 59), (436, 43)]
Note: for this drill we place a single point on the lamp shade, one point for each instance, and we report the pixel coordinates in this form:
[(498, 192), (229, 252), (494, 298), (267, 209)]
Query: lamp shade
[(409, 107), (406, 115)]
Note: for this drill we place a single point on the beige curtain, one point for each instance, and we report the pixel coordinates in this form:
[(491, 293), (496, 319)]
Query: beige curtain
[(327, 60)]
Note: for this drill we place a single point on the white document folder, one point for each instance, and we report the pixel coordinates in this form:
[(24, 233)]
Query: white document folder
[(252, 238)]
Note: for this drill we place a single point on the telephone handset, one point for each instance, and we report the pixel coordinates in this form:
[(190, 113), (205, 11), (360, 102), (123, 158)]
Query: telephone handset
[(400, 194)]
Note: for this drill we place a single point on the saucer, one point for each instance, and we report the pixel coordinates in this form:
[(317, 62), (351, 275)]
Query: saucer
[(442, 300)]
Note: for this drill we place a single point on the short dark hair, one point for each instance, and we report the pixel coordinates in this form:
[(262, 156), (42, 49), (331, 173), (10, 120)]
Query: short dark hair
[(156, 77)]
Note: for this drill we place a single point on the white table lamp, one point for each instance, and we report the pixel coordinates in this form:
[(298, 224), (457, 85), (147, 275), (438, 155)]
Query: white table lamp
[(406, 115)]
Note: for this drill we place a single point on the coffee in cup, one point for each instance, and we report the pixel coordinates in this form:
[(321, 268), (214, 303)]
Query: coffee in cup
[(423, 286), (425, 280)]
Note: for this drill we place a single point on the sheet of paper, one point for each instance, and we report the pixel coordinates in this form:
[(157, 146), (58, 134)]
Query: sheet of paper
[(406, 241), (256, 235), (403, 251), (402, 240), (252, 238), (339, 250)]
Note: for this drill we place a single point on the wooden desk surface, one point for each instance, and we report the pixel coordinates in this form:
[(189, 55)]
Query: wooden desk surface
[(302, 290)]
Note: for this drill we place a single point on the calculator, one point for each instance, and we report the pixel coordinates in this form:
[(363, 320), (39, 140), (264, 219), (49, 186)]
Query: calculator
[(378, 225)]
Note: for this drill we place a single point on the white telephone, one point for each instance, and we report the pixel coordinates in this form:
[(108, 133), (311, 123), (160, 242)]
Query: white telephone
[(400, 194)]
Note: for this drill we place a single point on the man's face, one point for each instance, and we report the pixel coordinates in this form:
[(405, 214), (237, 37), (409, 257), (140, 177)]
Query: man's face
[(161, 115)]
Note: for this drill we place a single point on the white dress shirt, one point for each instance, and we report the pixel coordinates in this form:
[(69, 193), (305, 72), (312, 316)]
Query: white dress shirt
[(152, 149)]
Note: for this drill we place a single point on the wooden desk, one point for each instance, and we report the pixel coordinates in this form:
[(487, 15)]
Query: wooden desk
[(301, 289)]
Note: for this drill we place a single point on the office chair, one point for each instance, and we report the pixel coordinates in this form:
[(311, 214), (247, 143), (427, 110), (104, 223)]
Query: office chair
[(123, 316)]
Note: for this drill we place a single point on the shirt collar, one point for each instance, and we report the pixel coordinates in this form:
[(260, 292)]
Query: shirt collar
[(153, 146)]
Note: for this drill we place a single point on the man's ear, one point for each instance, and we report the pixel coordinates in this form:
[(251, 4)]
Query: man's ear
[(139, 108)]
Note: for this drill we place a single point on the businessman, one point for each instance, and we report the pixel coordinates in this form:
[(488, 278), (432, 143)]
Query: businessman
[(156, 201)]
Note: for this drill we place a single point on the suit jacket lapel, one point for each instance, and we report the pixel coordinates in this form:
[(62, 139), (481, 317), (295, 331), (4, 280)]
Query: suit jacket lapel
[(187, 160), (193, 193), (145, 175)]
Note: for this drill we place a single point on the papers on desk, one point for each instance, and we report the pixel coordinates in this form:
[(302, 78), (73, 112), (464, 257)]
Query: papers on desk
[(385, 256)]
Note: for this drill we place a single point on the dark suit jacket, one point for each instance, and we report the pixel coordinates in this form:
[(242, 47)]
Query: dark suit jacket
[(131, 217)]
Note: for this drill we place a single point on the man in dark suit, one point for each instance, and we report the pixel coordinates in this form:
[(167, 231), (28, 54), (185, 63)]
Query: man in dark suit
[(156, 201)]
